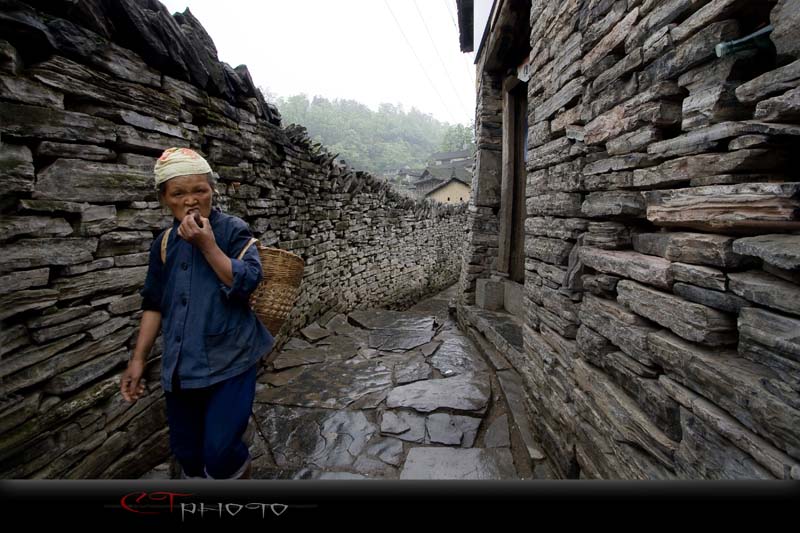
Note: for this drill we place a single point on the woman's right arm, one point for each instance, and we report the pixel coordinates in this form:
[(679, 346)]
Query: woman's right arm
[(131, 385)]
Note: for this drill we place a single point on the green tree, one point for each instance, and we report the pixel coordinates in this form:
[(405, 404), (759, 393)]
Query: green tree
[(380, 142), (458, 137)]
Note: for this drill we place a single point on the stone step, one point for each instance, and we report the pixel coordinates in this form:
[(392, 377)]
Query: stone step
[(449, 463), (493, 329), (496, 359), (513, 390)]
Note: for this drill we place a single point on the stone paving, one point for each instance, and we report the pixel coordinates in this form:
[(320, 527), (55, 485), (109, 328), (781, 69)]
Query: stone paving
[(383, 394)]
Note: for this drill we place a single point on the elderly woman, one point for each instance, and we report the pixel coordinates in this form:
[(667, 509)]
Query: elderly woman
[(213, 341)]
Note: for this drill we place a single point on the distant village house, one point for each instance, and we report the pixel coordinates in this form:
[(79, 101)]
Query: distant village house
[(446, 179)]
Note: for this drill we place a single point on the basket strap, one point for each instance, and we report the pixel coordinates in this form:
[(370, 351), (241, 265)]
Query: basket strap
[(164, 240), (241, 254)]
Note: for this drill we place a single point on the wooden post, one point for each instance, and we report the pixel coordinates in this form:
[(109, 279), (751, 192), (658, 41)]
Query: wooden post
[(507, 179)]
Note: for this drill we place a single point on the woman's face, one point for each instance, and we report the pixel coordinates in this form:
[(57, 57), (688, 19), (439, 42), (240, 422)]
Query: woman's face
[(186, 194)]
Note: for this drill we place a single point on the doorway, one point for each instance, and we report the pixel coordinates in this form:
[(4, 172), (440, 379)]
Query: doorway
[(511, 253)]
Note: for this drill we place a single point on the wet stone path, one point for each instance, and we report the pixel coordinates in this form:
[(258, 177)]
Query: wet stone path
[(380, 394)]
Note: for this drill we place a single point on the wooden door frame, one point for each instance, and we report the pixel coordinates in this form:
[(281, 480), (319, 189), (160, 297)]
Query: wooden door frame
[(512, 191)]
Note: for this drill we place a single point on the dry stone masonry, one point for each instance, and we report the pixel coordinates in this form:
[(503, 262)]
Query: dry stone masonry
[(662, 240), (90, 93)]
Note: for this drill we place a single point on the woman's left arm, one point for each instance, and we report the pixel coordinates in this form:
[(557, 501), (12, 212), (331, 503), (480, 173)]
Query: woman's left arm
[(239, 277), (220, 263), (246, 272)]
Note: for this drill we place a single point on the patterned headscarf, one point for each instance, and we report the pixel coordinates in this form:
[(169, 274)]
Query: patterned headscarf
[(176, 162)]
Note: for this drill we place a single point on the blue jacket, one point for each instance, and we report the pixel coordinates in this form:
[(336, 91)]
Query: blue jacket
[(210, 332)]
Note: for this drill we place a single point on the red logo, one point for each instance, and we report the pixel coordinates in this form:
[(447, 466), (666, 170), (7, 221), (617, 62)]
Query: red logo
[(137, 502)]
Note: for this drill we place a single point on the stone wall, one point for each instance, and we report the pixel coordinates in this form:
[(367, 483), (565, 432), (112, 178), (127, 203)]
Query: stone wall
[(90, 93), (663, 255), (480, 252)]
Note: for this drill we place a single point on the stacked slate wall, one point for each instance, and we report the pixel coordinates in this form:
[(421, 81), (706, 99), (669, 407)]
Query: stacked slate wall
[(481, 248), (663, 257), (90, 93)]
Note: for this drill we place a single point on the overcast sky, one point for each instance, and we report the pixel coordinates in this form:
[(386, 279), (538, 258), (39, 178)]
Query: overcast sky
[(351, 49)]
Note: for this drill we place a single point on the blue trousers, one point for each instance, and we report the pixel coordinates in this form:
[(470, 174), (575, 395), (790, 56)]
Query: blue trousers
[(206, 425)]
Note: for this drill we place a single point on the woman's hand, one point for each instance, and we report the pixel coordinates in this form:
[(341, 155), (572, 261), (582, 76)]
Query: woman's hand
[(132, 385), (203, 237)]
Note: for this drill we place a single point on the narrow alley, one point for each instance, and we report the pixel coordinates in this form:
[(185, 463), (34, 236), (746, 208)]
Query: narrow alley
[(620, 218), (385, 394)]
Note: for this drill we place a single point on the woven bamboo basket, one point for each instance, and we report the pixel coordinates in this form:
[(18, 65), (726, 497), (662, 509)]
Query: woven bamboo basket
[(274, 297)]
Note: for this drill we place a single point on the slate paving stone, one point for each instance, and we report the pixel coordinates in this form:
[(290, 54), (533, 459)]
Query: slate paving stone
[(429, 348), (271, 472), (300, 357), (317, 438), (332, 350), (443, 428), (392, 355), (404, 425), (398, 339), (333, 385), (457, 463), (340, 325), (339, 475), (394, 424), (361, 336), (395, 359), (497, 435), (387, 449), (469, 425), (278, 379), (467, 392), (370, 400), (458, 355), (387, 319), (296, 343), (372, 467), (414, 369), (314, 473), (314, 332), (341, 347), (436, 307), (368, 353)]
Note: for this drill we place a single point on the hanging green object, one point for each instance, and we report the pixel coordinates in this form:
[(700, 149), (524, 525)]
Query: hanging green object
[(758, 40)]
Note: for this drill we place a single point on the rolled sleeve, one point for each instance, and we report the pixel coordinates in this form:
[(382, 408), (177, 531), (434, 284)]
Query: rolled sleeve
[(247, 273)]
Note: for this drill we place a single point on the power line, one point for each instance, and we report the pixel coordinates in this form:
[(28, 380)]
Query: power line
[(444, 67), (399, 27)]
